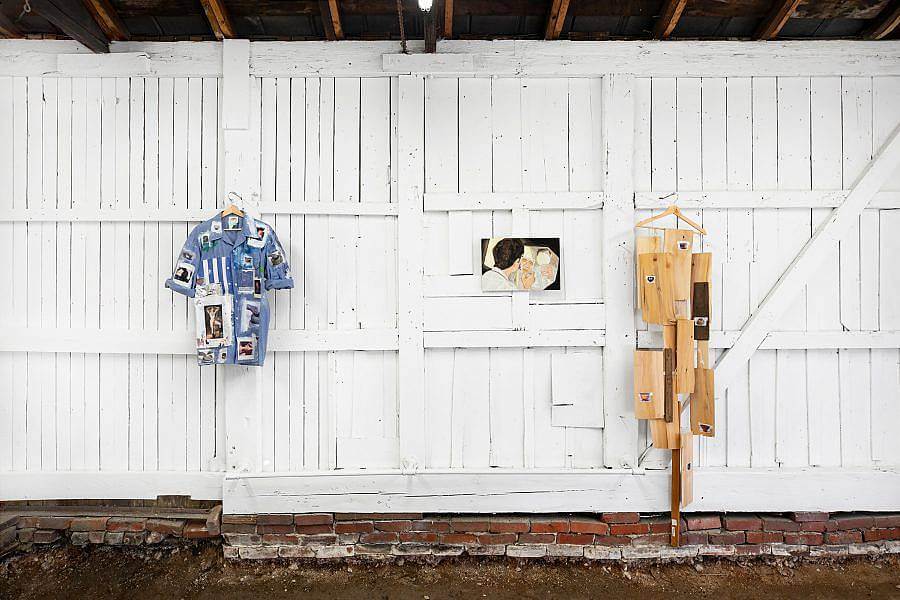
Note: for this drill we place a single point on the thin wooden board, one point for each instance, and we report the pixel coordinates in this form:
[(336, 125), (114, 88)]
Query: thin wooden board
[(664, 435), (647, 244), (684, 356), (703, 404), (687, 468), (649, 391), (679, 243), (657, 305)]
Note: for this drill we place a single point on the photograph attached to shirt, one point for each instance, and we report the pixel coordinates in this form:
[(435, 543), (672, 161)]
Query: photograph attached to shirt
[(183, 274), (520, 264), (246, 348), (213, 315)]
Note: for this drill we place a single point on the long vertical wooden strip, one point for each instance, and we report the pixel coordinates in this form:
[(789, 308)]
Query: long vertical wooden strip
[(411, 137), (620, 441)]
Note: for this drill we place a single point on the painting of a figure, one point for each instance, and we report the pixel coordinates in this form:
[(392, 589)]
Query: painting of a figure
[(520, 264)]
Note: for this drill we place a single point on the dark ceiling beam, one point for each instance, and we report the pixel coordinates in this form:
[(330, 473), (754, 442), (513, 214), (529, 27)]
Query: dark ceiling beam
[(108, 19), (886, 22), (219, 20), (331, 19), (778, 16), (559, 10), (8, 29), (448, 19), (73, 19), (432, 25), (669, 18)]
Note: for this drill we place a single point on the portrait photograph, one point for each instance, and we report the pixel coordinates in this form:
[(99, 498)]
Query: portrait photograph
[(520, 264)]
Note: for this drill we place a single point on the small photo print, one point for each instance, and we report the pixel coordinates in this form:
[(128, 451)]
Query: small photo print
[(223, 355), (213, 321), (205, 241), (520, 264), (187, 255), (183, 273), (232, 222), (276, 258), (247, 261), (245, 280), (262, 231), (257, 287), (216, 226), (246, 348), (205, 356), (250, 316)]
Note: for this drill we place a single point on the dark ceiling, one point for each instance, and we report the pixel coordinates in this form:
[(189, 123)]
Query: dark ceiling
[(166, 20)]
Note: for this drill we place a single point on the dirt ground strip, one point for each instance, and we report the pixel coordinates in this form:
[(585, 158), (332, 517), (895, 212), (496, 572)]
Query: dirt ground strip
[(201, 572)]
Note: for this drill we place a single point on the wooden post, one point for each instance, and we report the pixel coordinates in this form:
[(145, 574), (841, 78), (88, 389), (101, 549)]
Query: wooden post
[(670, 343), (620, 438), (242, 384)]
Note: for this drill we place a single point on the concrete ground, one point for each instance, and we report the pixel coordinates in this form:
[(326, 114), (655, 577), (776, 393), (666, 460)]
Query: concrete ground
[(201, 572)]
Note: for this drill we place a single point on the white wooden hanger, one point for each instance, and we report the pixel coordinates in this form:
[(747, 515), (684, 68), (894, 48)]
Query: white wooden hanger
[(672, 210)]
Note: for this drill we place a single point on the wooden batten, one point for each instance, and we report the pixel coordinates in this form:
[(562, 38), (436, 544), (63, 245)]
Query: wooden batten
[(646, 244), (649, 384), (668, 20), (108, 19), (701, 265), (679, 243), (687, 468), (217, 16), (657, 304), (778, 16), (559, 10), (684, 359), (703, 403), (331, 19)]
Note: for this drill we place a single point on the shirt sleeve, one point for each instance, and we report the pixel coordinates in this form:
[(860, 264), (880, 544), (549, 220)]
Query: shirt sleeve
[(278, 272), (184, 275)]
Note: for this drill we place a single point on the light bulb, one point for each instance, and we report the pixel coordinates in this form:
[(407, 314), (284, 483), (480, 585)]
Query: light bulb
[(425, 4)]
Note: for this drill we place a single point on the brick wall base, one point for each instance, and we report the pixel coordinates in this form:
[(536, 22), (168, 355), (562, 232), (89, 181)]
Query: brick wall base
[(607, 536)]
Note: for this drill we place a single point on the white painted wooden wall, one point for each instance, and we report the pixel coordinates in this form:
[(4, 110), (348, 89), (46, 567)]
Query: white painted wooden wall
[(381, 176)]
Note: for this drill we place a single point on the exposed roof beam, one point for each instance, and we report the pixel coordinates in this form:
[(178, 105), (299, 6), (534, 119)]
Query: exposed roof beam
[(431, 27), (8, 29), (775, 21), (559, 10), (331, 19), (108, 19), (73, 19), (448, 19), (218, 18), (669, 18), (888, 20)]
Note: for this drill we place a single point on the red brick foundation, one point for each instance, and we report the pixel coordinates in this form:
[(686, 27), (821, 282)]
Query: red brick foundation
[(607, 536)]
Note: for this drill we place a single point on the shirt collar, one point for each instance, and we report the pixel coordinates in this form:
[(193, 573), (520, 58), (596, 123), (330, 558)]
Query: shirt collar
[(248, 229)]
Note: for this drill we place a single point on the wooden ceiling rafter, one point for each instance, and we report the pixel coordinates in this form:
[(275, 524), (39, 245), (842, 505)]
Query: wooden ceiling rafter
[(886, 23), (8, 29), (668, 20), (107, 17), (73, 19), (559, 11), (331, 19), (448, 19), (219, 19), (778, 17)]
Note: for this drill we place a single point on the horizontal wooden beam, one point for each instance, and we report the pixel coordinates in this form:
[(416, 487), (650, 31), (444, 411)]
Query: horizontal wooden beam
[(778, 16), (108, 19), (542, 491), (756, 199), (218, 18), (516, 339), (109, 485), (180, 215), (886, 22), (556, 19), (140, 341), (668, 20), (793, 340), (441, 201)]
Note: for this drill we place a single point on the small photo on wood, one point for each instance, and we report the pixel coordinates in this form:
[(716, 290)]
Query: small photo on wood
[(520, 264)]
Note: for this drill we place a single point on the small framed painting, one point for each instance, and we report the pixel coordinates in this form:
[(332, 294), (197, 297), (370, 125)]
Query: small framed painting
[(520, 264)]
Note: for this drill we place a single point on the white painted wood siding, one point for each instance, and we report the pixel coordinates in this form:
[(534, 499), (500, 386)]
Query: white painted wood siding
[(105, 176)]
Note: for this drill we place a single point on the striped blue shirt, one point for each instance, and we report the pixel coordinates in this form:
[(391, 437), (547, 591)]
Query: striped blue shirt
[(227, 264)]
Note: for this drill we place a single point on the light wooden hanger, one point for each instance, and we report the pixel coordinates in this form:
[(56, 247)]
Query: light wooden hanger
[(672, 210), (232, 209)]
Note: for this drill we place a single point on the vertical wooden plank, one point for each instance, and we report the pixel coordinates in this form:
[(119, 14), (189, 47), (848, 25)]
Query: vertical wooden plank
[(297, 148), (688, 132), (441, 418), (63, 272), (475, 168), (136, 384), (663, 136), (441, 165), (765, 176), (823, 300), (506, 389), (641, 164), (410, 246), (152, 271), (19, 182), (9, 404), (886, 116), (620, 435)]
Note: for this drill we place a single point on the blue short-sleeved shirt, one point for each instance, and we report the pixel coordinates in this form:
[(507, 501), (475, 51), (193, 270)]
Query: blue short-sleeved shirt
[(226, 265)]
